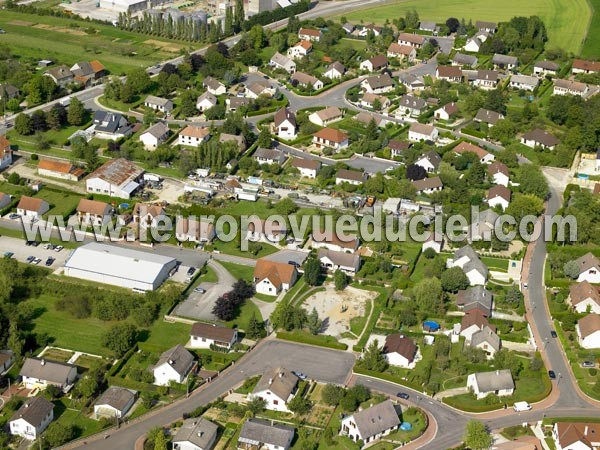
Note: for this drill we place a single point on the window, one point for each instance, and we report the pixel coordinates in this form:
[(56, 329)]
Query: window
[(276, 402)]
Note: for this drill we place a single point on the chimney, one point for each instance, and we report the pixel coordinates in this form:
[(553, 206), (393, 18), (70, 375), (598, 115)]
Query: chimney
[(497, 372), (585, 431), (200, 433), (43, 362), (171, 362), (280, 374), (270, 381)]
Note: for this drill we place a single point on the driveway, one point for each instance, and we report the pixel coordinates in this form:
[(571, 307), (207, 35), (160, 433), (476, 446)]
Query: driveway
[(199, 306)]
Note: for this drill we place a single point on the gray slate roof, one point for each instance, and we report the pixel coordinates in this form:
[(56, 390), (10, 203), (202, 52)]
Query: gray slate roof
[(495, 380), (158, 130), (376, 419), (503, 60), (476, 297), (257, 431), (117, 397), (198, 431), (41, 369), (486, 335), (465, 60), (159, 101), (177, 357), (34, 411), (279, 381), (340, 258)]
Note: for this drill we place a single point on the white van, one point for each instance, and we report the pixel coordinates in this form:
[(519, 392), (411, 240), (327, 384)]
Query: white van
[(521, 406)]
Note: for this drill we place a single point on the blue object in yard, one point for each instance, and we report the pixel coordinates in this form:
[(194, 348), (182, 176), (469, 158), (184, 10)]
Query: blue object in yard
[(430, 325), (583, 176), (531, 98), (124, 205), (406, 426)]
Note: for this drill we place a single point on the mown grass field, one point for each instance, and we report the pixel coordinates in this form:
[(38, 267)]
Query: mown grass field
[(560, 16), (591, 46), (69, 41)]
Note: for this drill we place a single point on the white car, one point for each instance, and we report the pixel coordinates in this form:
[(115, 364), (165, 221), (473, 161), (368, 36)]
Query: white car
[(58, 248), (36, 261)]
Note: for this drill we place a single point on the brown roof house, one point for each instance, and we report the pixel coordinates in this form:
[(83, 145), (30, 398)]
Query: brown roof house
[(330, 138), (209, 335), (484, 156), (285, 124), (584, 297), (375, 63), (94, 212), (488, 117), (401, 52), (350, 176), (576, 435), (308, 167), (370, 424), (326, 116), (276, 387), (400, 351), (499, 173), (32, 208), (472, 322), (428, 185), (584, 66), (446, 112), (332, 241), (32, 418), (192, 230), (414, 40), (193, 136), (499, 196), (330, 260), (146, 214), (60, 169), (271, 277), (588, 331), (39, 373), (452, 74), (5, 153)]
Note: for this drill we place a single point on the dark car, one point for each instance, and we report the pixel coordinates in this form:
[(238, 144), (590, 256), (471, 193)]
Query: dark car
[(300, 375), (28, 243), (191, 271), (35, 243), (402, 395), (50, 261), (553, 334), (552, 375), (294, 263)]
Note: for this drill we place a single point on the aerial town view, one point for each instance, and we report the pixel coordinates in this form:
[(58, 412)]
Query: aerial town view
[(299, 224)]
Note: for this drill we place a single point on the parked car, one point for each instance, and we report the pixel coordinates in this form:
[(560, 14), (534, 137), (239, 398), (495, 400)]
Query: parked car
[(588, 364), (191, 271), (402, 395), (28, 243), (35, 243), (49, 246), (8, 254), (200, 290), (50, 261), (552, 375), (553, 334), (30, 259), (37, 260), (58, 248), (14, 216), (300, 375)]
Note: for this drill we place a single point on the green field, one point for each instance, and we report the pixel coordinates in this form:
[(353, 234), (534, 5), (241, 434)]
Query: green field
[(591, 45), (566, 20), (69, 41)]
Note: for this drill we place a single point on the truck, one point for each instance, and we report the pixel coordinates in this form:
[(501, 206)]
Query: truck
[(521, 406)]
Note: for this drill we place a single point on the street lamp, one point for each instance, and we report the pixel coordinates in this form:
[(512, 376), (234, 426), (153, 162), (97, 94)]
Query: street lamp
[(559, 377)]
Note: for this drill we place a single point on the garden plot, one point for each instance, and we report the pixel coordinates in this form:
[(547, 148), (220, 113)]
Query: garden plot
[(337, 308)]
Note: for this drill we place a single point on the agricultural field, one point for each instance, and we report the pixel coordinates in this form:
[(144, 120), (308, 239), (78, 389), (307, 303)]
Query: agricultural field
[(592, 40), (69, 41), (558, 15)]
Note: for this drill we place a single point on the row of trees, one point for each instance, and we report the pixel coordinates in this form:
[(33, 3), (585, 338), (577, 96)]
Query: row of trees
[(56, 118)]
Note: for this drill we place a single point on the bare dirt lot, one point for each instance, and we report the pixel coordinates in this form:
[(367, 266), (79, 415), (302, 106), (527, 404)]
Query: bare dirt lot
[(337, 308)]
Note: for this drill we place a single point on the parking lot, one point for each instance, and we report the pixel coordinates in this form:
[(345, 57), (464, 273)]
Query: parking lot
[(21, 252)]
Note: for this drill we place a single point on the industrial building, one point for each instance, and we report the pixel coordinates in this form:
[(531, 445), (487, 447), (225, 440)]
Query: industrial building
[(119, 266)]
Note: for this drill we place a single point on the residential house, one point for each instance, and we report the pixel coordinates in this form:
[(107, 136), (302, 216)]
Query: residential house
[(434, 241), (576, 435), (173, 366), (497, 382), (374, 101), (214, 86), (400, 351), (504, 61), (520, 443), (6, 360), (452, 74), (377, 84), (476, 297), (279, 61), (466, 147), (412, 82), (59, 169), (209, 335), (310, 34), (38, 373), (498, 173), (414, 40), (235, 103), (193, 136), (61, 75), (32, 418), (370, 28), (489, 27), (350, 176), (473, 44), (87, 72), (206, 101), (158, 104), (488, 117), (460, 59), (482, 226), (300, 50), (277, 388), (326, 116), (446, 112), (545, 68), (348, 28), (589, 268), (115, 402), (258, 88), (499, 196), (421, 132), (402, 52), (146, 214), (335, 71), (264, 434), (568, 87), (266, 230), (486, 340), (285, 124), (588, 331), (371, 424), (397, 148), (109, 125), (374, 64), (366, 118), (468, 260), (583, 66), (539, 138), (428, 26), (524, 82), (410, 106), (94, 212), (154, 136), (429, 161), (5, 200), (306, 80), (308, 167), (428, 185), (32, 208), (5, 153), (486, 79), (331, 241), (271, 277), (192, 230), (584, 297), (8, 92), (332, 261), (197, 433), (330, 138), (269, 156), (472, 322), (116, 178)]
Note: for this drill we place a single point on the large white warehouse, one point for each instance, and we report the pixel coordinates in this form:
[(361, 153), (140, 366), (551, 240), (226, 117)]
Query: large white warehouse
[(119, 266)]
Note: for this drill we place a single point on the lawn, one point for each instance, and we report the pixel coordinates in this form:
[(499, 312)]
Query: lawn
[(61, 203), (558, 15), (233, 248), (84, 426), (69, 41), (238, 271), (592, 41), (164, 335), (246, 311), (495, 263)]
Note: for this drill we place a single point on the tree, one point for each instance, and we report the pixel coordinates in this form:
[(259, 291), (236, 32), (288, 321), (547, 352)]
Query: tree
[(224, 309), (23, 124), (285, 207), (300, 405), (256, 405), (312, 271), (571, 270), (256, 328), (428, 295), (332, 394), (522, 205), (313, 322), (58, 433), (514, 296), (264, 138), (340, 280), (412, 19), (76, 112), (373, 359), (119, 338), (532, 181), (454, 280), (452, 23), (477, 436), (160, 441), (138, 80), (429, 253), (415, 172), (56, 117)]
